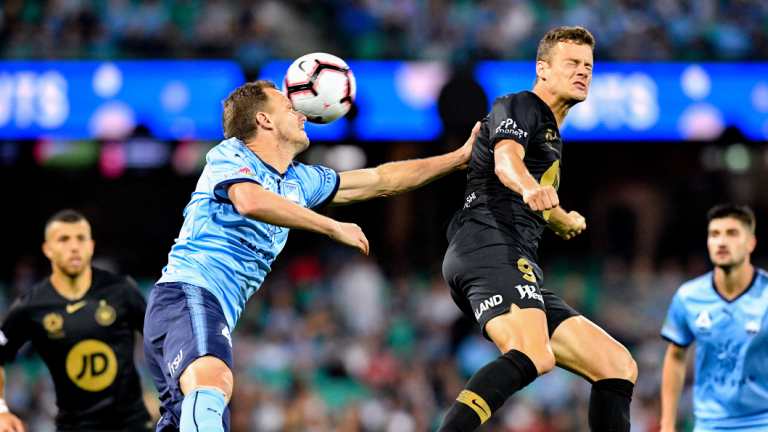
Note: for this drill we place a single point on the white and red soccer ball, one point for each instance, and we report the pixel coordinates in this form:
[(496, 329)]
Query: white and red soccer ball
[(321, 86)]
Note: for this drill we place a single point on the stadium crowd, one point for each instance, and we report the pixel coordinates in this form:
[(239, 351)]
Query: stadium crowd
[(451, 30)]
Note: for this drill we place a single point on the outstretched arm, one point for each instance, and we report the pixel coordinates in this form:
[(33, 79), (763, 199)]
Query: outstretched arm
[(253, 201), (8, 421), (394, 178), (672, 380)]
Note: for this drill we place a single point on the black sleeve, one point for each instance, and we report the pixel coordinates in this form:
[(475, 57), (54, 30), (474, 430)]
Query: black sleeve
[(14, 332), (511, 118), (136, 305)]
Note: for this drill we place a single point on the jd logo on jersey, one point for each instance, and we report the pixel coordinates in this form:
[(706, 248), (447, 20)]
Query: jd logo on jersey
[(91, 365)]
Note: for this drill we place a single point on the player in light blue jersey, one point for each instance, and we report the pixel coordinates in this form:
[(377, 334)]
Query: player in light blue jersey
[(251, 192), (726, 313)]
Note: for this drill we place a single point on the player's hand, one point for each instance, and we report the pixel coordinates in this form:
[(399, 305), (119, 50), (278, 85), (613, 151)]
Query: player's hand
[(350, 235), (465, 151), (574, 225), (541, 198), (10, 423)]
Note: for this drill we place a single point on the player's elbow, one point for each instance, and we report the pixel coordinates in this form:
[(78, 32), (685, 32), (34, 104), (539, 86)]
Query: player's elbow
[(501, 173), (247, 207)]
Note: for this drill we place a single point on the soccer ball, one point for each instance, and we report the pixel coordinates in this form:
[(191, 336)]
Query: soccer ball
[(321, 86)]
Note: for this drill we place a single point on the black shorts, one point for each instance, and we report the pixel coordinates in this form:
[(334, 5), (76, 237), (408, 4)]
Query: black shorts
[(487, 274)]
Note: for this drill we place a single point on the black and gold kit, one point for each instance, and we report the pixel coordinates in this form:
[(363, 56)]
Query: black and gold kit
[(88, 346), (491, 262)]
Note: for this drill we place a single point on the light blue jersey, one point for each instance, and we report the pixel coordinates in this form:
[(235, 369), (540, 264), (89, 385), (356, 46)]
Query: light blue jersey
[(731, 376), (224, 252)]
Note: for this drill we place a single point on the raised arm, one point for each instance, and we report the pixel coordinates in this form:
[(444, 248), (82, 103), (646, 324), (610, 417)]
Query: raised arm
[(672, 380), (512, 172), (394, 178), (253, 201), (8, 421)]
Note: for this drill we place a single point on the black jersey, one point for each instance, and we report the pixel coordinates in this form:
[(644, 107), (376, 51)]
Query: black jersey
[(528, 120), (88, 346)]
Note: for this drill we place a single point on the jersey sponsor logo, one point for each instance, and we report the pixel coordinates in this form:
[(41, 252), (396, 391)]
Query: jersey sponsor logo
[(105, 314), (703, 320), (74, 307), (225, 332), (91, 365), (469, 199), (245, 171), (752, 327), (509, 127), (174, 365), (487, 304), (3, 339), (53, 323), (529, 291)]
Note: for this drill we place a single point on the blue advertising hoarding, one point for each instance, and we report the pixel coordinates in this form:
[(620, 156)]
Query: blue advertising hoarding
[(396, 100), (654, 101), (86, 99)]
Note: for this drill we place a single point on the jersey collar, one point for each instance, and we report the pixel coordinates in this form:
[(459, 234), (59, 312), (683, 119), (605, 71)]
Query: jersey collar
[(749, 287)]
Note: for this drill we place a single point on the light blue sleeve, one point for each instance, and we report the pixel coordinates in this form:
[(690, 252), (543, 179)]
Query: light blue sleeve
[(676, 329), (225, 166), (318, 184)]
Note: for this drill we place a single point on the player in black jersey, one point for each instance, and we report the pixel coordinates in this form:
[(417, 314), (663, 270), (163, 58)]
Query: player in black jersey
[(82, 321), (491, 262)]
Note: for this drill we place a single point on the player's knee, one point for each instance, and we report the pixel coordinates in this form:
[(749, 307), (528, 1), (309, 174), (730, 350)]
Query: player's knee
[(619, 365), (207, 372), (629, 368)]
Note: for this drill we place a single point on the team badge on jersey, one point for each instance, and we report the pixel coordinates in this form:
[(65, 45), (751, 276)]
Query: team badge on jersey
[(292, 191), (703, 321), (105, 314), (53, 323)]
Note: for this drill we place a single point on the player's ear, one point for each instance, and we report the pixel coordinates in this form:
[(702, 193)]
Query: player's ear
[(263, 120), (752, 244), (541, 67), (46, 250)]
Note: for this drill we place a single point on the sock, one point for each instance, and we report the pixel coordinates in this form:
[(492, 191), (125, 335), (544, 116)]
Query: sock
[(609, 405), (487, 391), (202, 410)]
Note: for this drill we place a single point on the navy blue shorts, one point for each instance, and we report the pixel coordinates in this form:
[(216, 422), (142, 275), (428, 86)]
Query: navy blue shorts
[(183, 322)]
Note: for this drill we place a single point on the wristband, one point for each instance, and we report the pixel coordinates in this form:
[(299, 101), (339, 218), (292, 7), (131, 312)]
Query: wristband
[(3, 407)]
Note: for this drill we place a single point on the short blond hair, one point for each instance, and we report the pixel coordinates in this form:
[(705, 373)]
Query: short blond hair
[(241, 106), (576, 34)]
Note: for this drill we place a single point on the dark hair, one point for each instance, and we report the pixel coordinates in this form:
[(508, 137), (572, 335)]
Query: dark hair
[(578, 35), (67, 216), (241, 106), (740, 212)]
